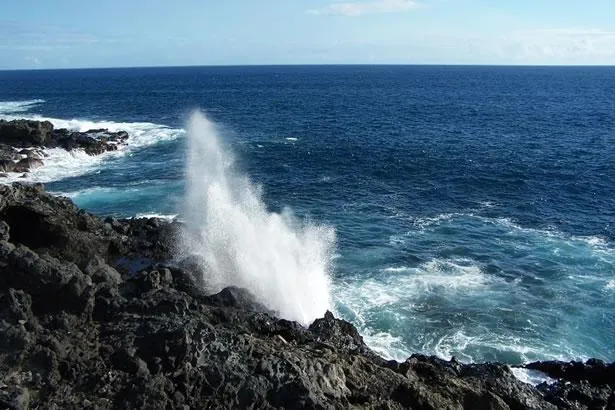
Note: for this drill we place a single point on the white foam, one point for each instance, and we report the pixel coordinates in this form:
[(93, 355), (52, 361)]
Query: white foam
[(168, 217), (594, 242), (455, 274), (610, 285), (459, 343), (10, 107), (452, 345), (283, 262), (141, 134), (292, 139), (397, 269), (86, 192), (458, 274), (487, 204), (426, 222), (529, 376), (386, 345), (62, 164), (396, 292), (401, 284)]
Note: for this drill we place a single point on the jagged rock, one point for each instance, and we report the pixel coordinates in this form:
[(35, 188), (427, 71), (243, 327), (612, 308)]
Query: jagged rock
[(32, 135), (55, 225), (594, 371), (237, 298), (339, 333), (101, 272), (25, 133), (95, 314), (93, 142)]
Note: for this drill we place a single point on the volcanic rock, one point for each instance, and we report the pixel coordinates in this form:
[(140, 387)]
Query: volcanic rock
[(25, 133), (98, 314), (32, 136)]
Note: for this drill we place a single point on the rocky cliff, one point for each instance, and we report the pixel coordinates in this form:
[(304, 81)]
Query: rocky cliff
[(98, 314)]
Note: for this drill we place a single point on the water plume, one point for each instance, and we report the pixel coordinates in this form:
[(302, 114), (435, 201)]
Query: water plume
[(284, 262)]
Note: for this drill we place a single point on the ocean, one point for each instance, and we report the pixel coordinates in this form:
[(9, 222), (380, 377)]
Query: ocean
[(473, 207)]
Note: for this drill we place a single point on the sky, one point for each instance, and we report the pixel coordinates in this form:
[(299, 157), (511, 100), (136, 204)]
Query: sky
[(37, 34)]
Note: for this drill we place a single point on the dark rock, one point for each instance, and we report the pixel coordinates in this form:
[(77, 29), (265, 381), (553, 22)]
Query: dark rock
[(4, 231), (25, 133), (29, 163), (337, 332), (101, 272), (594, 371), (32, 136), (75, 333), (187, 281), (7, 165), (237, 298), (93, 142), (55, 225)]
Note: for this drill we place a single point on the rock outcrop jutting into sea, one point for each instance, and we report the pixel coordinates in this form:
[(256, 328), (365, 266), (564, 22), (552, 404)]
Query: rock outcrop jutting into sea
[(22, 143), (97, 314)]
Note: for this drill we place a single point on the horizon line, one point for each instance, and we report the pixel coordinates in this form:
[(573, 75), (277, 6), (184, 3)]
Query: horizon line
[(308, 65)]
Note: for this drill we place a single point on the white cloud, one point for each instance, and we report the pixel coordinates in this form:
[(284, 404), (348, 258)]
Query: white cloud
[(358, 8), (17, 36), (33, 60), (572, 45)]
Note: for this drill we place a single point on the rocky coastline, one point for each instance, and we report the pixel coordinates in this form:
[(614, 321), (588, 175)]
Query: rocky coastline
[(99, 313), (23, 143)]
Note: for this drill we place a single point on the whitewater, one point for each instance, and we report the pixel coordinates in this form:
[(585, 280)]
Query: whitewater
[(60, 164), (281, 260), (436, 216)]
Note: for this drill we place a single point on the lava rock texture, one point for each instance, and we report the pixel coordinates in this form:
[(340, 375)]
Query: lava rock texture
[(22, 143), (96, 314)]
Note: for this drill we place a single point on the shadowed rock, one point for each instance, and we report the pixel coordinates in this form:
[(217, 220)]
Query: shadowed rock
[(95, 314)]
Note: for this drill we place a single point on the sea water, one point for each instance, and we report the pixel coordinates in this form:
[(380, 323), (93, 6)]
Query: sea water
[(473, 207)]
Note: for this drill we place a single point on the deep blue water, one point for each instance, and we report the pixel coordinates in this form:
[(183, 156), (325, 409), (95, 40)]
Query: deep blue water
[(474, 206)]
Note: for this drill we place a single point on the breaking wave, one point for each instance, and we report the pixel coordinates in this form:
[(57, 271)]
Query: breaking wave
[(60, 164)]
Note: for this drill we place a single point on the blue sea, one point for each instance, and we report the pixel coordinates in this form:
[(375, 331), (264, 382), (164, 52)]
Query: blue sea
[(473, 207)]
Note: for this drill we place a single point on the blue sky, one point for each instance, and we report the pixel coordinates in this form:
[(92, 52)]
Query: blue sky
[(120, 33)]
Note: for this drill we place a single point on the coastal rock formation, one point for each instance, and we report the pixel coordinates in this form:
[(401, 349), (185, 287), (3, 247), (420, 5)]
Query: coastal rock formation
[(97, 314), (590, 383), (22, 143)]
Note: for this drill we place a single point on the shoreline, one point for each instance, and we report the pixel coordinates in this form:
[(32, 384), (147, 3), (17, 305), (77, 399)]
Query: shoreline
[(100, 313), (25, 144)]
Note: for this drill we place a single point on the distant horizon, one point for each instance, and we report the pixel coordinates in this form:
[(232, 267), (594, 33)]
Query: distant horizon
[(313, 65)]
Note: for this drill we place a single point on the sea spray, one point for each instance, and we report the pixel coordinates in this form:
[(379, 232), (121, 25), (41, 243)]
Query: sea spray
[(285, 263)]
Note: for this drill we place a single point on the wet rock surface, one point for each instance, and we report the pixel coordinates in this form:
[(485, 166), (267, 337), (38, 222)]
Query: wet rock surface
[(97, 314), (22, 143)]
